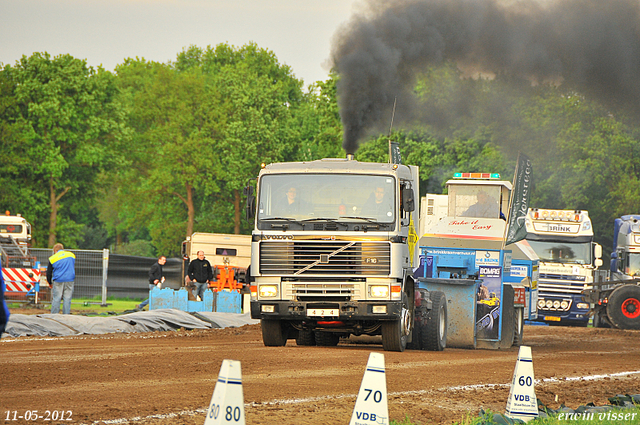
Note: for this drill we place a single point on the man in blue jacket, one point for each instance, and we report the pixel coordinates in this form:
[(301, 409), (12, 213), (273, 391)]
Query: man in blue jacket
[(4, 311), (60, 274)]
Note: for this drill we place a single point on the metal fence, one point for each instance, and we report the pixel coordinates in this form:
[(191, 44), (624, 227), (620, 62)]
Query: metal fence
[(129, 275), (99, 273)]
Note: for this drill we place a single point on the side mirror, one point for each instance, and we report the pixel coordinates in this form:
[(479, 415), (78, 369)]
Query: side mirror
[(598, 262), (250, 208), (597, 251), (408, 200)]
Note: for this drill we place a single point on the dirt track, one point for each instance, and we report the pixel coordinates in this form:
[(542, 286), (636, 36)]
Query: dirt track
[(174, 373)]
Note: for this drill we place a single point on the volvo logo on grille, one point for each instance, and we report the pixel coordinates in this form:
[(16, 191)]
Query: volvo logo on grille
[(278, 236)]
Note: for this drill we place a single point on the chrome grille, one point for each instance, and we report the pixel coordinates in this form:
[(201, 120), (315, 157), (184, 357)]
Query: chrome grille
[(560, 287), (322, 289), (325, 258)]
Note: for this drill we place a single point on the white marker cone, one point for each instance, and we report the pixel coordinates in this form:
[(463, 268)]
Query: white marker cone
[(227, 403), (371, 404), (522, 403)]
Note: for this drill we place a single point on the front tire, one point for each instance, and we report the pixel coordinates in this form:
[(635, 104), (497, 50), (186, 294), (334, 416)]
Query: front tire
[(623, 307), (274, 333), (434, 332), (395, 334)]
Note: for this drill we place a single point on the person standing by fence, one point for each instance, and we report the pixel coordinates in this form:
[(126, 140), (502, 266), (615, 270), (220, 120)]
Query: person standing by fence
[(201, 273), (156, 278), (61, 274)]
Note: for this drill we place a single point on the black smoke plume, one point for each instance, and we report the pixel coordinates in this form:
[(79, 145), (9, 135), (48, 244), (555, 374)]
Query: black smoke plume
[(593, 45)]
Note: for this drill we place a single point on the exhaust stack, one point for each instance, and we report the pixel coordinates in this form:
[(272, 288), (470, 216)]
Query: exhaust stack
[(351, 157)]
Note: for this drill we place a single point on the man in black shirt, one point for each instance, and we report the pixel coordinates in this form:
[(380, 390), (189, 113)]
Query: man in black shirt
[(156, 278), (200, 273)]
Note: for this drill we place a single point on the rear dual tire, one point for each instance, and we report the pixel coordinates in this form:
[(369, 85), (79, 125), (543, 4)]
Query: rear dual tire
[(433, 335), (306, 338), (327, 339)]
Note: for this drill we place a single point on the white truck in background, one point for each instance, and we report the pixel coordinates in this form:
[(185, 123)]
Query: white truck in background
[(228, 254), (563, 240), (20, 270)]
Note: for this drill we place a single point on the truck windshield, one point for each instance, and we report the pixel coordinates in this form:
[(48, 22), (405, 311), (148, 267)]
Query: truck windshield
[(343, 197), (10, 228), (474, 201), (562, 252), (633, 269)]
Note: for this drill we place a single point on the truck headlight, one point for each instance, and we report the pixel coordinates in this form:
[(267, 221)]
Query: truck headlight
[(379, 291), (556, 304), (268, 291), (541, 303), (583, 305), (564, 304)]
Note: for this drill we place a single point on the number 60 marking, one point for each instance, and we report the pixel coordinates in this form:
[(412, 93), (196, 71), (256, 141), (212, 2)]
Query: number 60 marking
[(525, 381)]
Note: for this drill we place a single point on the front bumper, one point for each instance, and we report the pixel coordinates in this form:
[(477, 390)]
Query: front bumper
[(564, 317), (572, 316), (348, 310)]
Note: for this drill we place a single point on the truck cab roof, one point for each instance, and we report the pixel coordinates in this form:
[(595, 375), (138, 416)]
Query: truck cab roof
[(338, 165)]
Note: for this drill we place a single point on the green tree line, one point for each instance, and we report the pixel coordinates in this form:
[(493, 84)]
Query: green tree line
[(137, 159)]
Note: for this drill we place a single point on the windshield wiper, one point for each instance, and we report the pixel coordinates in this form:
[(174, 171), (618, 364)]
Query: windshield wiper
[(373, 221), (281, 226), (291, 220), (334, 220), (329, 219), (370, 220)]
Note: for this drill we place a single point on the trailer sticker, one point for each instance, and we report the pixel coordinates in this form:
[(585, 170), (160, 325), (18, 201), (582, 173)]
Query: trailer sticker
[(432, 251), (429, 266), (488, 304), (487, 258), (519, 271)]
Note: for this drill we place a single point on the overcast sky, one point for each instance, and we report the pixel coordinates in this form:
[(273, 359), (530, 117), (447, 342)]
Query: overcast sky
[(105, 32)]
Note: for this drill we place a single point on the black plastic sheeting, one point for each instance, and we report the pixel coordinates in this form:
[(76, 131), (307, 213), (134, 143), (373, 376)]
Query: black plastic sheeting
[(128, 275), (142, 321)]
